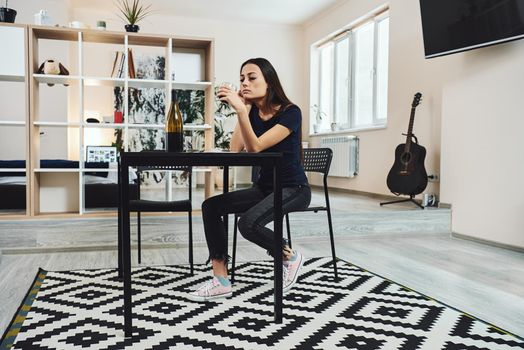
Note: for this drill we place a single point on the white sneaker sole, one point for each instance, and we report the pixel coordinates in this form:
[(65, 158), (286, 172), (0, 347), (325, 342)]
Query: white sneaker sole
[(295, 279), (199, 298)]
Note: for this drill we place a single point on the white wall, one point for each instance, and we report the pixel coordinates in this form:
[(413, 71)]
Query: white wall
[(470, 121), (483, 144)]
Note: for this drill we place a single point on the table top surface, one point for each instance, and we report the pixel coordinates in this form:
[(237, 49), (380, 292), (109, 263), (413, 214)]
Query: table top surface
[(199, 158)]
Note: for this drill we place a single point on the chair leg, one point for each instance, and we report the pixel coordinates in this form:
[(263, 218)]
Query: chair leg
[(233, 260), (190, 220), (139, 238), (331, 237), (288, 231)]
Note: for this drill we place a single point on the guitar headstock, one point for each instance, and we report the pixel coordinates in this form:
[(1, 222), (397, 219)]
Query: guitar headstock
[(416, 99)]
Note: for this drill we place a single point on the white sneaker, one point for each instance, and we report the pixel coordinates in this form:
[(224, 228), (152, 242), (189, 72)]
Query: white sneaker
[(291, 271), (210, 290)]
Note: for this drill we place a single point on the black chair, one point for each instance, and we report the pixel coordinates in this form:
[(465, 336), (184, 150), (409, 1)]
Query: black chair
[(144, 205), (314, 160)]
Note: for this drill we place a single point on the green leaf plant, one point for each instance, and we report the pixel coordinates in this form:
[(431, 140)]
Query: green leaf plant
[(132, 11)]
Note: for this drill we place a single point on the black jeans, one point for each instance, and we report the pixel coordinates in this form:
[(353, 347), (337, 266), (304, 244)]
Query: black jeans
[(257, 206)]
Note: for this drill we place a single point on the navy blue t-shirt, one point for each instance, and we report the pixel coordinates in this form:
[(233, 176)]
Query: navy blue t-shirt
[(292, 170)]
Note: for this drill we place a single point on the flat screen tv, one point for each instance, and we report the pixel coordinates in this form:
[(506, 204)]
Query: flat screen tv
[(451, 26)]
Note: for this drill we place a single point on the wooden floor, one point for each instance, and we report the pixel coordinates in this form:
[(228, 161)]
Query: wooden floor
[(410, 246)]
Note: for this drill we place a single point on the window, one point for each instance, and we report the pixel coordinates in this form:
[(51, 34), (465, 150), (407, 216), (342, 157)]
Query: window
[(350, 77)]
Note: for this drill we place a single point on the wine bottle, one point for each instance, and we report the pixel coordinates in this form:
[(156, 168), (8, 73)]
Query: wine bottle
[(174, 127)]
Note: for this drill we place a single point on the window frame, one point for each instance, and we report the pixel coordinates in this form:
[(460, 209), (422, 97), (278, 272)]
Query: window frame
[(348, 33)]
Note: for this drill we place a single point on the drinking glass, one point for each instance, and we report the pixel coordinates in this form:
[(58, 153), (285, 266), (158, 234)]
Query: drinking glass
[(228, 85)]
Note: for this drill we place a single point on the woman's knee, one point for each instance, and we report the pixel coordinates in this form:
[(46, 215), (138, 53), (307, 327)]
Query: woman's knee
[(246, 226), (211, 204)]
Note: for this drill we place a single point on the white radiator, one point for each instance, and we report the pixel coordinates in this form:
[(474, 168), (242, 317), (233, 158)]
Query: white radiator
[(345, 155)]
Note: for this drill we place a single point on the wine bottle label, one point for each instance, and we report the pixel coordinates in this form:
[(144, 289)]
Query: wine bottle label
[(175, 142)]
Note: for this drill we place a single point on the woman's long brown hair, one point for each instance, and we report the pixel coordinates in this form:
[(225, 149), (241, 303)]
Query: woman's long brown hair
[(275, 95)]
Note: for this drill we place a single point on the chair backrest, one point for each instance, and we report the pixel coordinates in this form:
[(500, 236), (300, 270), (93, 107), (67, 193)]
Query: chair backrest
[(185, 168), (317, 160), (164, 168)]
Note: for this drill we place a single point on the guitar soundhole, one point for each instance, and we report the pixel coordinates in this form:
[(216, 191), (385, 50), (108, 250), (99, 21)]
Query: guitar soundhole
[(405, 158)]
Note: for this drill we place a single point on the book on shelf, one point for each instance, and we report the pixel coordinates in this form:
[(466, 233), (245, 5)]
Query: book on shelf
[(131, 65), (119, 63), (116, 64)]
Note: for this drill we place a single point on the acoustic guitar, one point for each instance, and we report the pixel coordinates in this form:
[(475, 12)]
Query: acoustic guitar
[(408, 175)]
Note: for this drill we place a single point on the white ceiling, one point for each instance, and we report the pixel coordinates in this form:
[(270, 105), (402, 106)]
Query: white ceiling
[(266, 11)]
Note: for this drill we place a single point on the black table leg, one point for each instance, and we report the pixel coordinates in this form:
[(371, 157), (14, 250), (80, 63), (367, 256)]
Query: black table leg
[(277, 185), (225, 183), (126, 258), (120, 240)]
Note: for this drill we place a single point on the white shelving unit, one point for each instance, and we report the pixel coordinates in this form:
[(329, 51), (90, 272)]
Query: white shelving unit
[(75, 125)]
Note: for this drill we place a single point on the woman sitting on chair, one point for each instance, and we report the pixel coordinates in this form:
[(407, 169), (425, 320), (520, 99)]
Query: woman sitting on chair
[(267, 122)]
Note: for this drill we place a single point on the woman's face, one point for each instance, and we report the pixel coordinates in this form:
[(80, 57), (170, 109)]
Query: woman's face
[(253, 86)]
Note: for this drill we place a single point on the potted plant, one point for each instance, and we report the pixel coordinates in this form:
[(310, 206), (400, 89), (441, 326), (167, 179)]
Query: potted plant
[(132, 12), (318, 114), (7, 15)]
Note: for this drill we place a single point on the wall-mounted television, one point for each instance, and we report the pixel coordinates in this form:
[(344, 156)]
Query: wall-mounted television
[(451, 26)]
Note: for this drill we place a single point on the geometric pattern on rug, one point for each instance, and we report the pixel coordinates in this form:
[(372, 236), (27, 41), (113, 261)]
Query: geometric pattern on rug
[(83, 310)]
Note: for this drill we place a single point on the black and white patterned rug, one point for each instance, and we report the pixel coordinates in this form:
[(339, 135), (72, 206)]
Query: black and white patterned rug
[(83, 309)]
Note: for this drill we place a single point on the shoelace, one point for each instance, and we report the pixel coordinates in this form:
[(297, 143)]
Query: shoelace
[(285, 273), (206, 288)]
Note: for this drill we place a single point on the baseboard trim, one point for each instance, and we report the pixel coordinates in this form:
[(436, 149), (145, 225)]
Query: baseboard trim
[(385, 197), (488, 242)]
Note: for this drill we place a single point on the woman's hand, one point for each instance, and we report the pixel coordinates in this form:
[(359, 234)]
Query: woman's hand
[(233, 98)]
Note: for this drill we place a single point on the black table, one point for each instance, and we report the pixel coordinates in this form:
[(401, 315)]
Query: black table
[(225, 159)]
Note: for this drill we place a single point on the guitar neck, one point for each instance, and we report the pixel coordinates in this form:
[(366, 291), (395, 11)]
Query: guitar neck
[(410, 129)]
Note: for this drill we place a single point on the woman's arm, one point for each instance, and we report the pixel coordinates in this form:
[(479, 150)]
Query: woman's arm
[(243, 135), (237, 143)]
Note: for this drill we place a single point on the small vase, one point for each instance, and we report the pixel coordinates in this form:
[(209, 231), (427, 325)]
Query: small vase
[(132, 28), (7, 15)]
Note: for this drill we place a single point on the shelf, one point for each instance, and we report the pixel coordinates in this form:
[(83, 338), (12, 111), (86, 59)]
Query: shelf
[(148, 83), (104, 125), (101, 81), (56, 124), (194, 127), (199, 85), (12, 78), (116, 37), (98, 170), (11, 123), (188, 127), (12, 170), (97, 81), (57, 170), (55, 79)]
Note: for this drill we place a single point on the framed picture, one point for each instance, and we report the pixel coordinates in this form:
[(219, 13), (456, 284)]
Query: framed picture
[(104, 154)]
